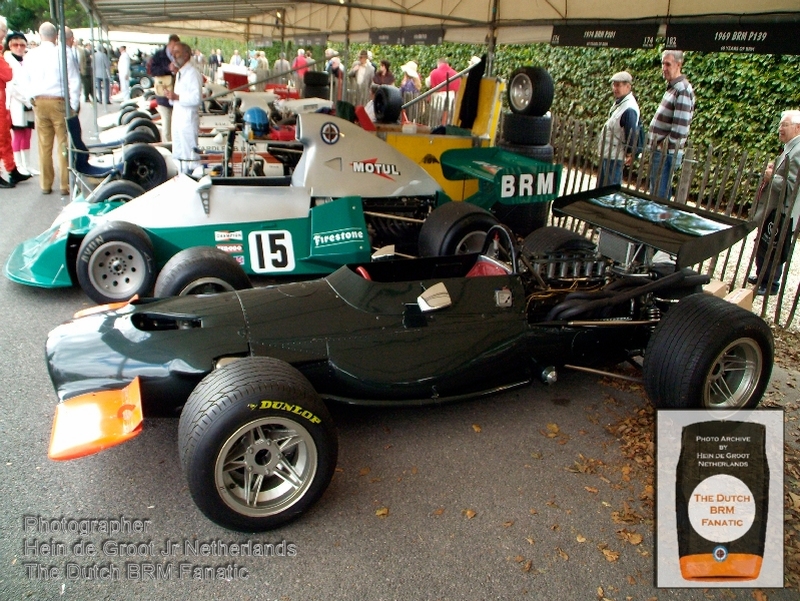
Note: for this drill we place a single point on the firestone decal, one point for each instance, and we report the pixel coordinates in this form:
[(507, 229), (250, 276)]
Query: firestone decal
[(228, 236), (281, 406), (338, 237), (373, 166)]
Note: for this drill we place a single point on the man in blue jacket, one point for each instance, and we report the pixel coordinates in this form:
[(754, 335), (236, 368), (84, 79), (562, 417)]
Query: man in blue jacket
[(161, 68)]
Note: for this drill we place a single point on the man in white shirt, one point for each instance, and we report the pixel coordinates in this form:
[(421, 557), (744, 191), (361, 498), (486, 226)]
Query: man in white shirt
[(124, 70), (186, 98), (46, 92)]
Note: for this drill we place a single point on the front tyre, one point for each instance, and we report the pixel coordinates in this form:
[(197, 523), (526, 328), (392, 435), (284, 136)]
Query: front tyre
[(257, 444), (116, 262), (201, 270), (708, 353)]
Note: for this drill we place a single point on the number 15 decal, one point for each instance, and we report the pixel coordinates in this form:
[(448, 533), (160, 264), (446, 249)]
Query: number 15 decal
[(271, 251)]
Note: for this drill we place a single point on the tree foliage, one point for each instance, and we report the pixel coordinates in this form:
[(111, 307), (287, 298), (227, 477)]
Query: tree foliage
[(27, 15), (739, 96)]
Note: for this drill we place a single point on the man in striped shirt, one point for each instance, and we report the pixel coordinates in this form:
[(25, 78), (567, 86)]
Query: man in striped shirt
[(669, 128)]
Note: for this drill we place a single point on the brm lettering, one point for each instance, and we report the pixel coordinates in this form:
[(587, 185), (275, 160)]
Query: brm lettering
[(523, 184), (378, 168)]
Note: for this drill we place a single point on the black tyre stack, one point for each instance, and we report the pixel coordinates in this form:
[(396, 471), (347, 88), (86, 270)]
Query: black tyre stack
[(316, 84), (526, 130)]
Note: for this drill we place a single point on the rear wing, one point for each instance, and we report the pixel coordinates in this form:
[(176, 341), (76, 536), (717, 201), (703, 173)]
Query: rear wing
[(503, 176), (690, 234)]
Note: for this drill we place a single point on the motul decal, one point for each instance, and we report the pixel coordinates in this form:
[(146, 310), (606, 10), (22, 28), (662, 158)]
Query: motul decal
[(227, 236), (373, 166), (230, 248)]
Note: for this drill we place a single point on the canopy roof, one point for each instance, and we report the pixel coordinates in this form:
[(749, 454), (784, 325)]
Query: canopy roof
[(516, 21)]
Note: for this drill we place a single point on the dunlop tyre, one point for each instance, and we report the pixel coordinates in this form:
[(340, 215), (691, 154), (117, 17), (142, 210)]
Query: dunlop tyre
[(200, 270), (256, 395)]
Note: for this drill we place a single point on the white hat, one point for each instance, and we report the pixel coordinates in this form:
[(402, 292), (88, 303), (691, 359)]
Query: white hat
[(622, 76), (410, 69), (474, 60)]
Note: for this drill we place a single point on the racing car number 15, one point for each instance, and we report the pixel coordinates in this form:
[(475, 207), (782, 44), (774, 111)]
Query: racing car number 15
[(271, 251)]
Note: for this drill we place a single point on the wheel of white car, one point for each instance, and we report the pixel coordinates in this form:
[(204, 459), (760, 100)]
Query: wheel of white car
[(124, 110), (145, 81), (138, 136), (388, 104), (116, 262), (530, 91), (257, 444), (145, 125), (136, 91), (454, 228), (143, 164), (131, 115), (118, 190), (200, 270), (709, 353)]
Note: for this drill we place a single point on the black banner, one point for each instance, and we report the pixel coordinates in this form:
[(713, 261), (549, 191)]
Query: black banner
[(319, 39), (748, 37), (418, 36), (606, 34)]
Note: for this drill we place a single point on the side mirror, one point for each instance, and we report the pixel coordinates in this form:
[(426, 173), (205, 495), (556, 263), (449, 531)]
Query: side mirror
[(434, 298), (204, 191)]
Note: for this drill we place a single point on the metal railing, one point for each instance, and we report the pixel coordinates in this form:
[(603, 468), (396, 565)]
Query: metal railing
[(725, 180)]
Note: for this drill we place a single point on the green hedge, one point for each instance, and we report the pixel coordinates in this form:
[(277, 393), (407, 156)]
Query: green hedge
[(739, 97)]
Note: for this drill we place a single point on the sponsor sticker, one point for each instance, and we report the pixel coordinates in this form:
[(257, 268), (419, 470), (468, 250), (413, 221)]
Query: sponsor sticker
[(230, 248), (225, 236), (335, 237)]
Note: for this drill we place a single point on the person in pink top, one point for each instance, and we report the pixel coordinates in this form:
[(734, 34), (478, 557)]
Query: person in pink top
[(300, 64), (442, 71)]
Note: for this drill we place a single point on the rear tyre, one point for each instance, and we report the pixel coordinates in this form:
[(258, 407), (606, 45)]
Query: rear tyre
[(540, 153), (708, 353), (144, 165), (530, 91), (136, 91), (552, 239), (138, 137), (318, 79), (455, 228), (527, 130), (388, 104), (115, 262), (131, 115), (145, 124), (525, 218), (124, 110), (201, 270), (257, 444), (323, 92)]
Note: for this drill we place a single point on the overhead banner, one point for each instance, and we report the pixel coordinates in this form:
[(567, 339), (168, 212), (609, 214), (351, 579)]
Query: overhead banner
[(606, 34), (747, 37), (417, 36), (311, 40)]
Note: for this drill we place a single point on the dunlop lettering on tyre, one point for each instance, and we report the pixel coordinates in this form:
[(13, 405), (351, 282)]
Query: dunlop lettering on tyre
[(281, 406), (257, 444)]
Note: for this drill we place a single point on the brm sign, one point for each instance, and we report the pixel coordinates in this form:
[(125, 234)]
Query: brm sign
[(527, 184)]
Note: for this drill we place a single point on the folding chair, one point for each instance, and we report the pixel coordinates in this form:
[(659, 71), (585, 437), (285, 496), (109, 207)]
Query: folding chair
[(79, 160)]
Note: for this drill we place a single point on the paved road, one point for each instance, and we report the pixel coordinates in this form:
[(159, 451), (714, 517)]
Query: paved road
[(536, 531)]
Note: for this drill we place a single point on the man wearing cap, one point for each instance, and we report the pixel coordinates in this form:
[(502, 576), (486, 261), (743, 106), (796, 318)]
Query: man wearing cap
[(362, 73), (620, 130), (669, 128)]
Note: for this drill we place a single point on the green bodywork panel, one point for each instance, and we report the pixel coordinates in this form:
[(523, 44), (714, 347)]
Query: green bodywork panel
[(503, 176)]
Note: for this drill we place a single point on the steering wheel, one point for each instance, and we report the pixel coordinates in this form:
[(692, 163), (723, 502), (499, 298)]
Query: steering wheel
[(501, 246)]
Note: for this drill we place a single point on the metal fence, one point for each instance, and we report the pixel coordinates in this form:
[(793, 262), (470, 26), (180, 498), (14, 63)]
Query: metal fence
[(725, 180)]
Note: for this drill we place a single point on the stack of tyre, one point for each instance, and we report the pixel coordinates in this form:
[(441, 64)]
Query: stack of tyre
[(526, 130), (316, 84)]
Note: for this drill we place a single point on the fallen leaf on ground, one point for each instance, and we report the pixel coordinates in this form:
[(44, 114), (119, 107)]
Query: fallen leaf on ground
[(561, 552), (508, 524), (363, 471), (469, 513), (476, 427), (382, 512), (611, 555), (528, 565), (438, 511), (591, 489), (580, 538)]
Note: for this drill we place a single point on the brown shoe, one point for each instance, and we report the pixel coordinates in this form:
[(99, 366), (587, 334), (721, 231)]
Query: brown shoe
[(48, 191), (64, 192)]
